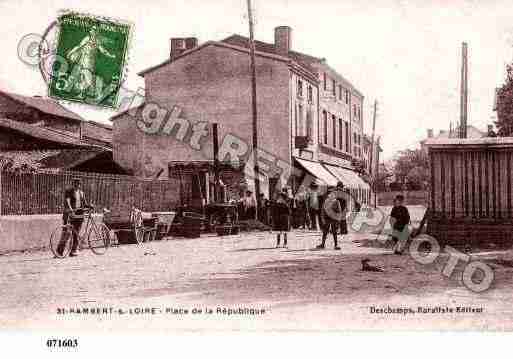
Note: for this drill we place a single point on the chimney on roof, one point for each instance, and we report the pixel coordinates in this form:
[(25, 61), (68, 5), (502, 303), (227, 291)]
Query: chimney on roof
[(430, 133), (181, 44), (283, 40)]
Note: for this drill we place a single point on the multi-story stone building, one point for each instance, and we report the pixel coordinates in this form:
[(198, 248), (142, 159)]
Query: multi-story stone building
[(300, 121)]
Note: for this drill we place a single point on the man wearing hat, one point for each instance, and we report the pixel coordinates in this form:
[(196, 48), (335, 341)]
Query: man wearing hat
[(343, 207), (331, 213), (74, 202), (249, 203), (313, 206)]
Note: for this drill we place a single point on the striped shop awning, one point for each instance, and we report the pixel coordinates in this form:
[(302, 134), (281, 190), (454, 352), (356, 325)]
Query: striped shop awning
[(348, 177), (318, 171)]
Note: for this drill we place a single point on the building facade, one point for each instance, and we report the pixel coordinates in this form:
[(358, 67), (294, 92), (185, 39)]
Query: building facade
[(211, 83)]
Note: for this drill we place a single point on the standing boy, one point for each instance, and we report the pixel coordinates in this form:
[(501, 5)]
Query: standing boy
[(281, 218), (399, 220)]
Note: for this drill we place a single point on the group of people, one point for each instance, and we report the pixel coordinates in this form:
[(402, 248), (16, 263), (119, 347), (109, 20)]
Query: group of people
[(309, 209), (247, 206), (328, 210)]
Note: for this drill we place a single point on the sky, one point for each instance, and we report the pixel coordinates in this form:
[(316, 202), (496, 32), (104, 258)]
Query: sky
[(406, 54)]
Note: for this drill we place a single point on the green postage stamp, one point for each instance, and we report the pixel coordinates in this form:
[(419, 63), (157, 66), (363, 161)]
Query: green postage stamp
[(90, 60)]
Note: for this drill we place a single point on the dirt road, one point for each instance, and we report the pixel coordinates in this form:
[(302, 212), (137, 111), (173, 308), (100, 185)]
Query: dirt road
[(243, 282)]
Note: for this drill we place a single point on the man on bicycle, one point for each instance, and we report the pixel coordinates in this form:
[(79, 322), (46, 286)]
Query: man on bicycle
[(74, 205)]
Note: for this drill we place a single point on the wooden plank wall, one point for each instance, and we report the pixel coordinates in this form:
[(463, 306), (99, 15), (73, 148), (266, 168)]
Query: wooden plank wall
[(471, 184)]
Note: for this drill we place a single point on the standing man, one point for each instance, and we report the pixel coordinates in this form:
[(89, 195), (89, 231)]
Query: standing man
[(262, 213), (331, 213), (74, 203), (291, 202), (301, 209), (249, 205), (399, 220), (313, 203), (341, 197)]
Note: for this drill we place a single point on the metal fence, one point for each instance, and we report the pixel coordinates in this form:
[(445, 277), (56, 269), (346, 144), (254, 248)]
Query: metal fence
[(43, 192)]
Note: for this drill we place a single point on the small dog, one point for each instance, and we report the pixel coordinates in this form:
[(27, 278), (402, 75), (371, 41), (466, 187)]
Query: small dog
[(370, 268)]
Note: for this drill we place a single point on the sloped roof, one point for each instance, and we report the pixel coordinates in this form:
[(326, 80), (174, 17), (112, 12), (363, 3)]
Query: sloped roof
[(39, 132), (301, 66), (44, 104), (97, 131), (302, 59)]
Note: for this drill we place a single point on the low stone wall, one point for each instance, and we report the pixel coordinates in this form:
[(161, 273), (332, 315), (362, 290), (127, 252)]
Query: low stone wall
[(20, 233), (412, 198)]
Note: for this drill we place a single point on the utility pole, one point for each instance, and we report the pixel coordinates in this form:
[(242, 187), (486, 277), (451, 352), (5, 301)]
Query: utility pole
[(464, 92), (371, 170), (215, 137), (256, 171)]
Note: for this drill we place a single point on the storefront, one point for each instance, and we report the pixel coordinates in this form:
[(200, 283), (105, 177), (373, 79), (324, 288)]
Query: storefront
[(329, 175), (359, 189)]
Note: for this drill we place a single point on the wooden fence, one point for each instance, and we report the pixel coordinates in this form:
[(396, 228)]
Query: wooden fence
[(471, 194), (43, 193)]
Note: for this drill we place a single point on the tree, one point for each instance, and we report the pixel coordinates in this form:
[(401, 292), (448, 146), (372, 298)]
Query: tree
[(411, 167), (383, 178), (417, 177), (504, 121), (19, 163)]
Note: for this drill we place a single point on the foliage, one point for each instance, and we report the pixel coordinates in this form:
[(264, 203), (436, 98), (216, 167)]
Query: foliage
[(18, 164), (383, 178), (412, 167), (504, 122)]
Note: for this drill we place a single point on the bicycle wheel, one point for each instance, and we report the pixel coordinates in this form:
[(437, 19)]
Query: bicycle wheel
[(99, 239), (61, 240), (138, 227)]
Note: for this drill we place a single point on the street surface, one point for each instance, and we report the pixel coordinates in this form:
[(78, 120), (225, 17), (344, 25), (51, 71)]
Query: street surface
[(298, 288)]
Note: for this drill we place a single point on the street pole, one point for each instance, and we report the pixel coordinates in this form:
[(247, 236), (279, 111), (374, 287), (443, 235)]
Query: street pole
[(216, 162), (376, 171), (464, 92), (254, 106), (371, 169)]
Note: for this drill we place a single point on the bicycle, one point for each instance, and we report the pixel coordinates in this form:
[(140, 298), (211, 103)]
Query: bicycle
[(97, 235)]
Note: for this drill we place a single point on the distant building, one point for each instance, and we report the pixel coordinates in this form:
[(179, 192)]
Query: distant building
[(472, 132)]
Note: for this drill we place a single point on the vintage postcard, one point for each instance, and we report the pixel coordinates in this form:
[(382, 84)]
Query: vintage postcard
[(319, 166)]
